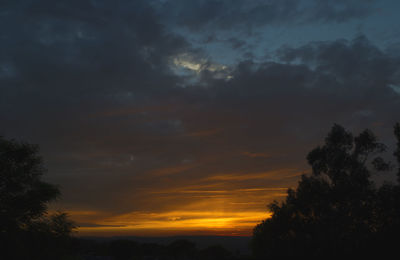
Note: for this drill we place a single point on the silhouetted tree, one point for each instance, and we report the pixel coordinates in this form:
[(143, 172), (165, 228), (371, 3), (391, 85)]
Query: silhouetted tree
[(397, 151), (26, 230), (337, 209)]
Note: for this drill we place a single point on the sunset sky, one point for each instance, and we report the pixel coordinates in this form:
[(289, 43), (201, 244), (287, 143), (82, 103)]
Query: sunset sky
[(178, 117)]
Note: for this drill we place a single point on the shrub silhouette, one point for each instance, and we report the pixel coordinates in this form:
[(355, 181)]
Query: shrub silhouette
[(337, 210), (26, 230)]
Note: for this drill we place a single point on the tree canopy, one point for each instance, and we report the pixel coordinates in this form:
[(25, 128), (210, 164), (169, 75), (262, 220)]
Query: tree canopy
[(27, 231), (338, 209)]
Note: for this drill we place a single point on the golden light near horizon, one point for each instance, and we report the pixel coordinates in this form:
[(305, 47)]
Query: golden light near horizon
[(218, 204), (232, 212), (178, 222)]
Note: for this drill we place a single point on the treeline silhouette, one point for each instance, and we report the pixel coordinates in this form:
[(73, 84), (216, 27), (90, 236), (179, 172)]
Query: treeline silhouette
[(124, 249), (337, 210)]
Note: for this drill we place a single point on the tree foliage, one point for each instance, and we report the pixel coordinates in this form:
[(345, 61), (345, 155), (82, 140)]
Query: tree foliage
[(27, 231), (397, 151), (337, 209)]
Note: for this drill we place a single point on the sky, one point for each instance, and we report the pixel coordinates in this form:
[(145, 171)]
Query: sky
[(176, 117)]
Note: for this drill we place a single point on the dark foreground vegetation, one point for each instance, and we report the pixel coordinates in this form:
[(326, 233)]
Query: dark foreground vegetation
[(121, 249), (338, 210), (27, 231)]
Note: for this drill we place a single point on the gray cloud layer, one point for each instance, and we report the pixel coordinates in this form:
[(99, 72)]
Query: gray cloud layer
[(93, 82), (237, 14)]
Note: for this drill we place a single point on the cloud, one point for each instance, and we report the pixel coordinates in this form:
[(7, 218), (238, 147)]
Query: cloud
[(193, 65), (93, 83), (247, 15), (178, 222)]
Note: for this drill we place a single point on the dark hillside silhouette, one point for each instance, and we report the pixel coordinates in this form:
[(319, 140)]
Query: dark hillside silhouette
[(337, 210), (127, 249), (26, 230)]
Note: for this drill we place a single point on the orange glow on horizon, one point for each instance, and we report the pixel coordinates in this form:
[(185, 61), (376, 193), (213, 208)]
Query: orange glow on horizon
[(177, 222), (219, 204)]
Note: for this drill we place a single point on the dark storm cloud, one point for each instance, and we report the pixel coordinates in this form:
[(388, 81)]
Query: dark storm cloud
[(65, 62), (356, 66), (64, 59), (93, 83), (67, 44), (227, 14), (354, 73), (279, 110)]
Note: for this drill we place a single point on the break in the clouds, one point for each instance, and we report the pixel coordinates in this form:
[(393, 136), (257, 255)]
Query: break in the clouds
[(150, 129)]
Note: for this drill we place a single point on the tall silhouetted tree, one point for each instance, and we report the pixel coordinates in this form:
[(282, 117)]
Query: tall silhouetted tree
[(397, 152), (337, 210), (26, 230)]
